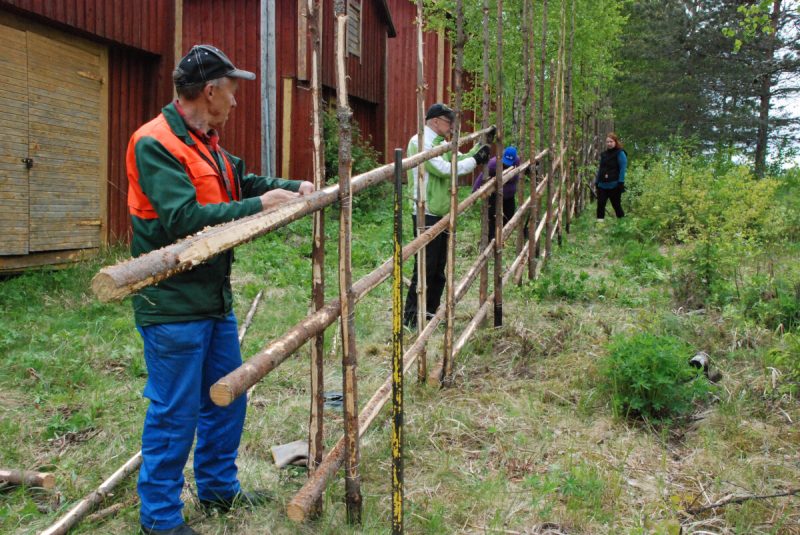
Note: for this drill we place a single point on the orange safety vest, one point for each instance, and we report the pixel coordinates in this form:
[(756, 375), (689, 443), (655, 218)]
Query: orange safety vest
[(196, 160)]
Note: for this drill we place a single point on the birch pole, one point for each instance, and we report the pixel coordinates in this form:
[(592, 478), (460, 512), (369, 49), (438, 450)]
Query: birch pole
[(316, 446), (526, 75), (447, 368), (498, 199), (422, 279), (548, 236), (349, 357), (484, 281), (533, 248)]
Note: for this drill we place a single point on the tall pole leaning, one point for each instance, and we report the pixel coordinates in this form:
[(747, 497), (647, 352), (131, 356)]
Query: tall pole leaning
[(498, 191), (315, 425), (422, 280), (548, 243), (450, 306), (560, 119), (349, 357), (569, 109), (526, 76)]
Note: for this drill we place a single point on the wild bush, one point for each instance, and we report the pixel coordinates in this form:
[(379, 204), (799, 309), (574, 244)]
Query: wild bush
[(785, 359), (648, 376)]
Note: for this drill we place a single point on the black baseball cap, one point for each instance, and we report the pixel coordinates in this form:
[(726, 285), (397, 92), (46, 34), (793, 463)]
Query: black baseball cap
[(204, 63), (440, 110)]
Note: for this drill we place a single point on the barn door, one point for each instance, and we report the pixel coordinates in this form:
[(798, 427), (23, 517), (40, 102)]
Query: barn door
[(13, 142), (53, 158)]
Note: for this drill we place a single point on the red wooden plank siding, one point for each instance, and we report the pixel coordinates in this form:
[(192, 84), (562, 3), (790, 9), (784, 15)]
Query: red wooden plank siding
[(124, 22), (132, 102), (234, 27), (402, 76)]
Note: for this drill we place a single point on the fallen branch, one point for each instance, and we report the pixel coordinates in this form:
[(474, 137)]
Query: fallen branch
[(105, 513), (249, 318), (82, 508), (741, 499), (44, 480)]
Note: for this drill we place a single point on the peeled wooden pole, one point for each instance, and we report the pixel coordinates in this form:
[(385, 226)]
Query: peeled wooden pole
[(236, 383), (450, 309), (122, 279), (397, 349), (422, 278), (44, 480), (498, 199), (560, 118), (316, 435), (346, 296), (520, 115), (83, 507)]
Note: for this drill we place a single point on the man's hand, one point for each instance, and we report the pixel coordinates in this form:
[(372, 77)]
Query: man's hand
[(482, 156), (276, 197), (306, 187)]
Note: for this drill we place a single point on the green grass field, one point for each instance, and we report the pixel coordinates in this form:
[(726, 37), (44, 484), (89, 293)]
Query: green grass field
[(525, 438)]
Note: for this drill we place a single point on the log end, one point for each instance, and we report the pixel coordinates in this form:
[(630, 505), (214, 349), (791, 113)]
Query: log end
[(104, 287), (435, 377), (48, 480), (296, 512), (222, 394)]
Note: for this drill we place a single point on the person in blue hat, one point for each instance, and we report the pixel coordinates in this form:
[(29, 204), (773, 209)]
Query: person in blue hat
[(510, 159)]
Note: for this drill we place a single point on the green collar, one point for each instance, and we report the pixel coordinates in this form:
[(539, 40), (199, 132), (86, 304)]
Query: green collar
[(176, 123)]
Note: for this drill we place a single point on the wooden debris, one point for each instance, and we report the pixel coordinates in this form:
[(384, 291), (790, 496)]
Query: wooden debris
[(44, 480)]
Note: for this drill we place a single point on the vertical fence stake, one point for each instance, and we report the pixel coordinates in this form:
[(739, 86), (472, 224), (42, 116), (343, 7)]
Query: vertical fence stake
[(548, 238), (484, 241), (447, 359), (498, 192), (315, 424), (397, 349), (422, 279), (349, 356), (533, 247)]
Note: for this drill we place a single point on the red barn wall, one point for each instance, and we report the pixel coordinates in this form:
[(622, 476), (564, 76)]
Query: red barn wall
[(402, 76), (234, 27)]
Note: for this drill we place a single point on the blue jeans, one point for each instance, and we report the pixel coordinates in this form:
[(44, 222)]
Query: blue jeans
[(183, 361)]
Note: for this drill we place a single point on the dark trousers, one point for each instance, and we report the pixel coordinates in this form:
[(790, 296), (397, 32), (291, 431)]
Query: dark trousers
[(615, 196), (509, 207), (435, 263)]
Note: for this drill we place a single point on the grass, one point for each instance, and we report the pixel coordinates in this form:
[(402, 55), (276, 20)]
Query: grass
[(524, 438)]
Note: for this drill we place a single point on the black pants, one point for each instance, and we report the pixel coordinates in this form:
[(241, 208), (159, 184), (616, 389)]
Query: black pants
[(615, 196), (435, 263), (509, 207)]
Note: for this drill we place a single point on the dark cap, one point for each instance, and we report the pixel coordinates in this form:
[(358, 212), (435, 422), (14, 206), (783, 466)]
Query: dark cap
[(440, 110), (204, 63)]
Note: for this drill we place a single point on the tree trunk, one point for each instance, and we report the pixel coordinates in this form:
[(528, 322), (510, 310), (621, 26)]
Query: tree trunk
[(765, 93)]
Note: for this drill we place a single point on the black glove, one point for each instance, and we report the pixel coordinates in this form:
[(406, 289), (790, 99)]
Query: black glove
[(482, 156), (622, 187), (490, 134)]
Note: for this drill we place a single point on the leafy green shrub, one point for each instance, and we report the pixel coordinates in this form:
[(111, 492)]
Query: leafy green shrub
[(773, 301), (648, 376), (786, 359), (560, 283)]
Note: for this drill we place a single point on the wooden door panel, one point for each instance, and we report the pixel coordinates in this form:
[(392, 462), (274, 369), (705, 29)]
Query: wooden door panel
[(65, 118), (13, 142)]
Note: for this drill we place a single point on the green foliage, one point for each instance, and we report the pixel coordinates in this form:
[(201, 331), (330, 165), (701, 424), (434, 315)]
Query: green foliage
[(648, 376), (562, 283), (364, 156), (786, 359), (773, 301)]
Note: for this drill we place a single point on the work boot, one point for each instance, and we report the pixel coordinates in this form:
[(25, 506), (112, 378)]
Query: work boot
[(183, 529), (246, 499)]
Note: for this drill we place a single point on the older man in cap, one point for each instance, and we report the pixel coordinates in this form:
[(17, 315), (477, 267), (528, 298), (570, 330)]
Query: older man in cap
[(436, 194), (180, 181)]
